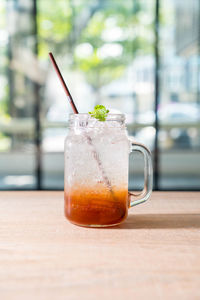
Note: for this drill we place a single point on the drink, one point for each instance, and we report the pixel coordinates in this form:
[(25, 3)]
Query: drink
[(96, 206), (88, 199), (96, 171)]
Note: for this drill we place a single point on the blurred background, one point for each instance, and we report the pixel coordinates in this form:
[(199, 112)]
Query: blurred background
[(139, 57)]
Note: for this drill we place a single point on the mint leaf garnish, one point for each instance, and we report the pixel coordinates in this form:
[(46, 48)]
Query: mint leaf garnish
[(99, 112)]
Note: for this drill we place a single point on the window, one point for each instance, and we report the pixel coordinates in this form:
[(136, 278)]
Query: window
[(109, 54)]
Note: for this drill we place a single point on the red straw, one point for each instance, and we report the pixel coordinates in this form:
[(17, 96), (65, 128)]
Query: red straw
[(67, 92), (107, 181)]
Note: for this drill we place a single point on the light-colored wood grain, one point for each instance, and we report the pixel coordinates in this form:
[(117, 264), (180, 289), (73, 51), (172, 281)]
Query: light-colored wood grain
[(155, 254)]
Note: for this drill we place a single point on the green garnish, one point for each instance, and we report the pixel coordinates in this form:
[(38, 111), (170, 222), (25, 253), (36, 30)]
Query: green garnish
[(99, 112)]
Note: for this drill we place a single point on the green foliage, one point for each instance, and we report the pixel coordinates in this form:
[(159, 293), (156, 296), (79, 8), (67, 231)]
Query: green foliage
[(69, 26), (99, 112), (54, 25)]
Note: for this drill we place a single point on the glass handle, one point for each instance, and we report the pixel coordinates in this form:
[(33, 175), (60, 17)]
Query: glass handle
[(141, 197)]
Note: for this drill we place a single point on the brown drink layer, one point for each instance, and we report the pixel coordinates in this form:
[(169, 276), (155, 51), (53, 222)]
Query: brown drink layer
[(96, 207)]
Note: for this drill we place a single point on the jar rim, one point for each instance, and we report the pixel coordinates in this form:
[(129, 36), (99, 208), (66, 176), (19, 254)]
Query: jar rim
[(86, 116)]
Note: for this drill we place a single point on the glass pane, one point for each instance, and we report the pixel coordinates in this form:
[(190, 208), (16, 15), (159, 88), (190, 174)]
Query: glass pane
[(18, 93), (105, 52), (179, 110)]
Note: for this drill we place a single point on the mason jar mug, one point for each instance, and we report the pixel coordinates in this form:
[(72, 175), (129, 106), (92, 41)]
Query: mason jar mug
[(96, 171)]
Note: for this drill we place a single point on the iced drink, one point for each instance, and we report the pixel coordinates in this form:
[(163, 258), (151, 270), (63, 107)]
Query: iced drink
[(96, 195)]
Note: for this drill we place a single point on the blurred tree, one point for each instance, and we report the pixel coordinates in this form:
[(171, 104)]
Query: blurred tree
[(3, 64), (100, 37)]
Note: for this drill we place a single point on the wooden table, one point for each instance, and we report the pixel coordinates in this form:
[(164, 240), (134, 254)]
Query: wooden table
[(155, 254)]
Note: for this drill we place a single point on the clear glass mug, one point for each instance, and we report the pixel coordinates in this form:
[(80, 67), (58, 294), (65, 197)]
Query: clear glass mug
[(96, 171)]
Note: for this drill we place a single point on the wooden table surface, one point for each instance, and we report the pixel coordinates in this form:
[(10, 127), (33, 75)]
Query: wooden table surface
[(155, 254)]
